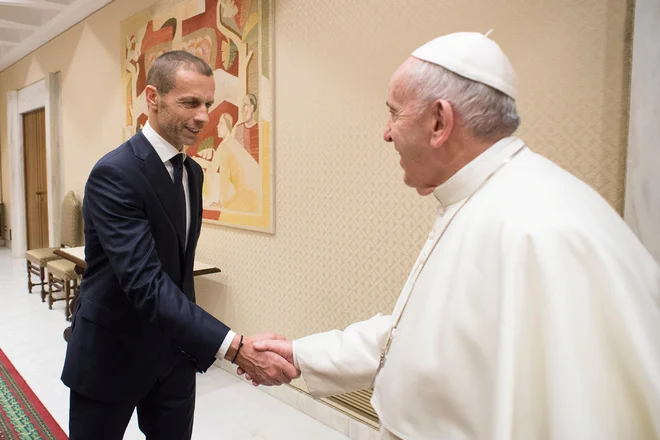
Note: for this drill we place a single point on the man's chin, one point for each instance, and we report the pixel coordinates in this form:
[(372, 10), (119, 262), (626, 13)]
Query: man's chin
[(190, 141)]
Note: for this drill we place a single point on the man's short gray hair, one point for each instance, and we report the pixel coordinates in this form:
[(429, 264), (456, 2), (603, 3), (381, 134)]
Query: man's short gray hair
[(487, 113), (162, 73)]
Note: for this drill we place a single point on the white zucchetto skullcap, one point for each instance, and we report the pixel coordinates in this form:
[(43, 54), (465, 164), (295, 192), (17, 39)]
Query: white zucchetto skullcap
[(473, 56)]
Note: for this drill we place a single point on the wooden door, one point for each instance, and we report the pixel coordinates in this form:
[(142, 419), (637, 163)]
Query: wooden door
[(36, 187)]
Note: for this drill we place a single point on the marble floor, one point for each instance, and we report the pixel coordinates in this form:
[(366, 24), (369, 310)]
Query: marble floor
[(227, 407)]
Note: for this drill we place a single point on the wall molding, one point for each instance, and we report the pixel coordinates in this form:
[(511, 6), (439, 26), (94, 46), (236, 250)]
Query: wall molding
[(316, 409)]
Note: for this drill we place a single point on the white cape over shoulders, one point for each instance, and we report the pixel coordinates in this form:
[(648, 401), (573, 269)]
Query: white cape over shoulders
[(536, 317)]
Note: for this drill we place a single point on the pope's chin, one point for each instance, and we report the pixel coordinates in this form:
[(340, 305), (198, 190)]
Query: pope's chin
[(424, 191), (421, 190), (408, 182)]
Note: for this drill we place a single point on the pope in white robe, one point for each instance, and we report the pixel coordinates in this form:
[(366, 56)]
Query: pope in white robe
[(532, 312)]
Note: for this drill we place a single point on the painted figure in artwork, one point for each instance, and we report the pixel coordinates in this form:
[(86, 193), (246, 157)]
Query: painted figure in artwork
[(232, 178), (247, 132)]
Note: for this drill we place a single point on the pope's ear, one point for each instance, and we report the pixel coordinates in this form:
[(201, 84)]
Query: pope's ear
[(442, 122)]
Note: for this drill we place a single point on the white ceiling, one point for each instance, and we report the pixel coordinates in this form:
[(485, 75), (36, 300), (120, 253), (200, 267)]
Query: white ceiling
[(26, 25)]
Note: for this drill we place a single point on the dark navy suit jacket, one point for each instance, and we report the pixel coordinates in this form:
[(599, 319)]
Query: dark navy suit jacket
[(136, 314)]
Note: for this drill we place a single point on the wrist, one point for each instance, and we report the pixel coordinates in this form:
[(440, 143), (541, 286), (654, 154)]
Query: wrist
[(233, 348)]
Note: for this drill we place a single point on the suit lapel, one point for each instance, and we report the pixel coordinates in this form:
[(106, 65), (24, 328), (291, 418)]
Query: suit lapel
[(154, 170)]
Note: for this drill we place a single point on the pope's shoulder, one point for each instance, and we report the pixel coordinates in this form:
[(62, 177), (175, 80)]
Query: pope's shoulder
[(533, 194)]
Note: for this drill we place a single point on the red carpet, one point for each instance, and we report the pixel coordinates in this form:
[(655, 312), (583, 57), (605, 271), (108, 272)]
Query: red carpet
[(22, 415)]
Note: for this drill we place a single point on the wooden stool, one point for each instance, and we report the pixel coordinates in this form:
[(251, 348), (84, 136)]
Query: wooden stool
[(36, 265), (62, 277)]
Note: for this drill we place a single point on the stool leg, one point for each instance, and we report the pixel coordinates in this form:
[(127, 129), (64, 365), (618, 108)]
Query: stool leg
[(29, 277), (74, 297), (67, 296), (50, 291), (43, 283)]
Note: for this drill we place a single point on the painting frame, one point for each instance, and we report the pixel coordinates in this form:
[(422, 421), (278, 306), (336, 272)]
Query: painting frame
[(236, 147)]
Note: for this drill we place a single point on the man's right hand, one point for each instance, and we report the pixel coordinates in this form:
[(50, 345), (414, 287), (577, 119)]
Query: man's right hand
[(280, 346), (263, 367)]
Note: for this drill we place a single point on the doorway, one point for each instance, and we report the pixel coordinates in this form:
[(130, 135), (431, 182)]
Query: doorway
[(36, 179), (42, 94)]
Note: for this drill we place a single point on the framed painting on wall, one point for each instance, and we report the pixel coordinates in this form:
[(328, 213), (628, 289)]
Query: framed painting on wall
[(235, 148)]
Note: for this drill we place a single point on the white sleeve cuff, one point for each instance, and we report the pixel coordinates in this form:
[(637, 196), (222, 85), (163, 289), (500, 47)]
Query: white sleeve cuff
[(295, 357), (222, 351)]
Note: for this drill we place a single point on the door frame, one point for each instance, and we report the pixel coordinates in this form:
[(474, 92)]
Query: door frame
[(46, 94)]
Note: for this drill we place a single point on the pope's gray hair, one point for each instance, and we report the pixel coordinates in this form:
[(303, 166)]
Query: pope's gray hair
[(486, 112)]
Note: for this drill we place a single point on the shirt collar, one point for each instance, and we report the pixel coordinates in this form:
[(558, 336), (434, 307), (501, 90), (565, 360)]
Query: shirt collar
[(468, 178), (164, 149)]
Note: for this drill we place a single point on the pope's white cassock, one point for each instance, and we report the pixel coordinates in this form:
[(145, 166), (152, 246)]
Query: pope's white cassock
[(535, 317)]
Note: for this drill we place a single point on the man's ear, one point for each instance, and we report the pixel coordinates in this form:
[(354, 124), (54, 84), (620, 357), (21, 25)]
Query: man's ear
[(152, 97), (442, 120)]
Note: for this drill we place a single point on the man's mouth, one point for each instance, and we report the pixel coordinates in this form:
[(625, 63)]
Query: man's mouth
[(193, 130)]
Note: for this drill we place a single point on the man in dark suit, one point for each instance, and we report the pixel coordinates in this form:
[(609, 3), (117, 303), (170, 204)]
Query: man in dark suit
[(137, 336)]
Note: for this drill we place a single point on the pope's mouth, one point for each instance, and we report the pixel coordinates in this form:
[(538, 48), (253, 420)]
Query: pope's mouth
[(400, 157)]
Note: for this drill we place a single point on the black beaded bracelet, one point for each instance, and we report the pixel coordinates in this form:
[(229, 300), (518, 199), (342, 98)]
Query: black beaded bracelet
[(240, 344)]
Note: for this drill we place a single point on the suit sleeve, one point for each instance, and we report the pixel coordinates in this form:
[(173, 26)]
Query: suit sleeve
[(116, 211), (337, 361)]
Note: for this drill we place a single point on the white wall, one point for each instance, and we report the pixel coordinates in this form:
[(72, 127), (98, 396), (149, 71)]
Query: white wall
[(642, 203)]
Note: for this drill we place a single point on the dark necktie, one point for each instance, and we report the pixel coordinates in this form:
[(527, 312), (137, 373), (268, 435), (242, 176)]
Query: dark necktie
[(177, 163)]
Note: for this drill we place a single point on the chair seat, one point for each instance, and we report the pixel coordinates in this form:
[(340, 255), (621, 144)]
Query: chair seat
[(62, 269), (41, 256)]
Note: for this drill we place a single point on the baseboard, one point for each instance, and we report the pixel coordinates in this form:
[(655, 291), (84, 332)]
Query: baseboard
[(316, 409)]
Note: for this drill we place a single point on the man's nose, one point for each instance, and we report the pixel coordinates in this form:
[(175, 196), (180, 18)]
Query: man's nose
[(202, 116)]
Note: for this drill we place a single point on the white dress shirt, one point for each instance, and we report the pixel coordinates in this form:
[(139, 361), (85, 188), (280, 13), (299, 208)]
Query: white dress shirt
[(167, 151)]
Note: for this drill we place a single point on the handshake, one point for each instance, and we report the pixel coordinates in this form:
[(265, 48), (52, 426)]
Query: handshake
[(265, 359)]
